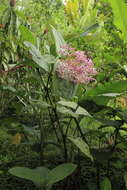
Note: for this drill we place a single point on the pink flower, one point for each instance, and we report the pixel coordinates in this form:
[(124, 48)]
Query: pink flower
[(75, 66)]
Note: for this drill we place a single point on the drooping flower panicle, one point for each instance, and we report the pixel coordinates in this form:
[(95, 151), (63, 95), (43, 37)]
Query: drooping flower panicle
[(75, 66)]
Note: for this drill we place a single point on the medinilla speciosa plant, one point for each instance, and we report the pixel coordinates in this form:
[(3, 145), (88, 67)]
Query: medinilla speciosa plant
[(74, 68), (43, 177)]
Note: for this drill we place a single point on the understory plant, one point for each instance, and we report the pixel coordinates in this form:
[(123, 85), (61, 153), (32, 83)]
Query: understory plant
[(42, 177)]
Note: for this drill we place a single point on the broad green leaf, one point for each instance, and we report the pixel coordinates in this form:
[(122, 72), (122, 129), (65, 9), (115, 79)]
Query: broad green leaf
[(27, 35), (21, 15), (73, 105), (61, 172), (103, 93), (69, 104), (63, 88), (106, 184), (119, 8), (2, 7), (65, 110), (37, 176), (108, 88), (82, 111), (40, 60), (84, 148), (59, 41)]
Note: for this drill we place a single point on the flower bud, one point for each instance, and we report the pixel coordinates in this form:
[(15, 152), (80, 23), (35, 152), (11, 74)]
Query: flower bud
[(12, 3)]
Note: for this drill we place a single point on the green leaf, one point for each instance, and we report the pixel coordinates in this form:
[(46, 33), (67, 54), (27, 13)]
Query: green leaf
[(123, 114), (106, 122), (2, 7), (106, 184), (40, 60), (43, 177), (40, 104), (120, 16), (37, 176), (103, 93), (21, 15), (111, 87), (89, 29), (63, 88), (61, 172), (88, 19), (27, 35), (84, 148), (110, 94), (69, 104), (73, 105), (59, 41), (82, 111), (65, 110)]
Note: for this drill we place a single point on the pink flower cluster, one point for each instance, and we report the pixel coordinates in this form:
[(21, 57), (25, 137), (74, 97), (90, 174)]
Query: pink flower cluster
[(75, 66)]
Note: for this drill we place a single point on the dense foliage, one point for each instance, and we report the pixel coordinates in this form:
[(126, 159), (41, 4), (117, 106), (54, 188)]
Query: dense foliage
[(63, 87)]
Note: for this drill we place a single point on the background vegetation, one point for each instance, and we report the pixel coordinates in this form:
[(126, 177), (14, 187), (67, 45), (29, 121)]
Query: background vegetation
[(76, 130)]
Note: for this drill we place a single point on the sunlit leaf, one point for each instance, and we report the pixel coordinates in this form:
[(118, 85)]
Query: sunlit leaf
[(78, 110), (27, 35), (120, 15), (37, 57), (59, 41), (84, 148)]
